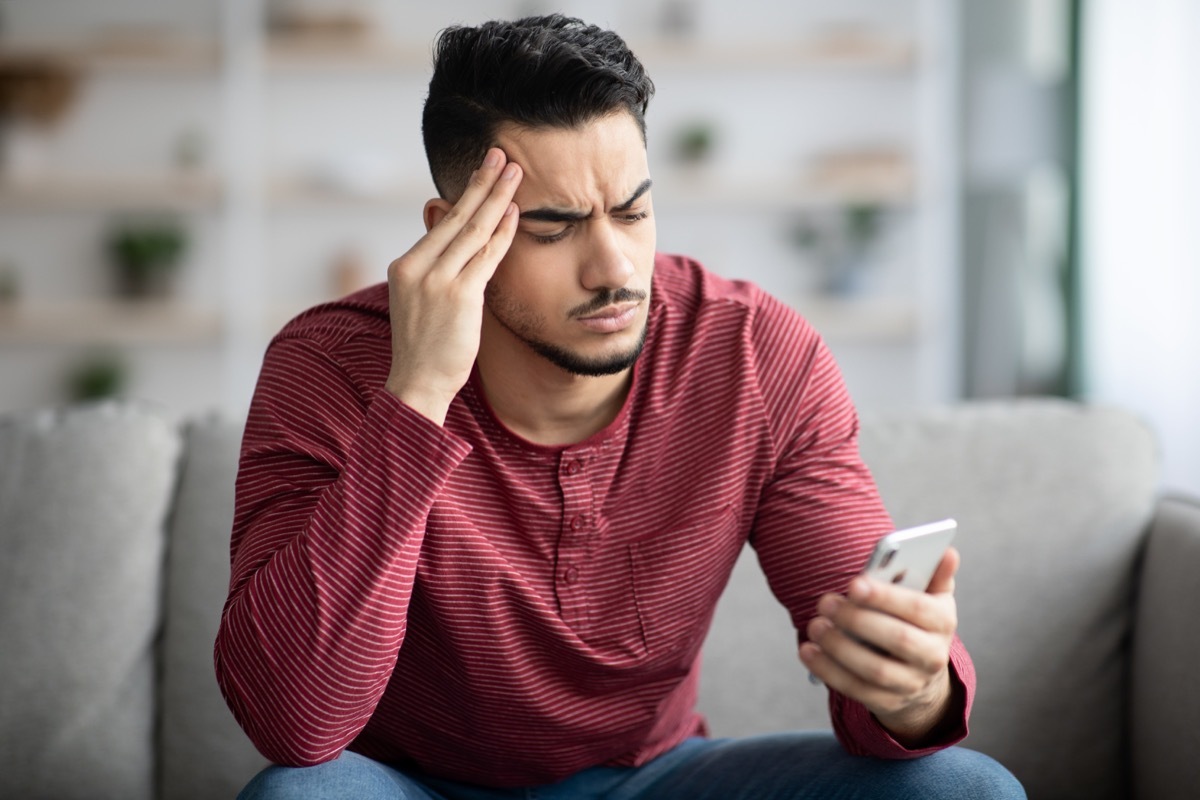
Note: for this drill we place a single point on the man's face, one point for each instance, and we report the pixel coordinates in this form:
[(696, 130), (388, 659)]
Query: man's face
[(575, 284)]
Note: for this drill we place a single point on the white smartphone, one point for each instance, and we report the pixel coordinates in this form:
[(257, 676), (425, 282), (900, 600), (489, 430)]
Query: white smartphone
[(909, 557)]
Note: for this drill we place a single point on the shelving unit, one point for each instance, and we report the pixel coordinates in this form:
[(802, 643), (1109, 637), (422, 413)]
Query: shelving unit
[(251, 203)]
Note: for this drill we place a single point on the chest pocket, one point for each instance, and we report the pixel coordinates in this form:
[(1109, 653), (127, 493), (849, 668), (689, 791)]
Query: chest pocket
[(677, 577)]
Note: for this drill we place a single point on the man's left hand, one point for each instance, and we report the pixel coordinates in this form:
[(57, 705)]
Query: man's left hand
[(888, 647)]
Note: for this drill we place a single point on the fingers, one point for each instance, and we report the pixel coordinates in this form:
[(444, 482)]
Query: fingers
[(859, 636), (479, 215), (936, 613), (855, 671)]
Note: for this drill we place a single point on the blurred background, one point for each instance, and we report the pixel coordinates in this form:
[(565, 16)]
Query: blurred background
[(969, 198)]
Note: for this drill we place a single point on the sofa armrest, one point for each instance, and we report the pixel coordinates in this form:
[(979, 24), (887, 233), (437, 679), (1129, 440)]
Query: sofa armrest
[(1165, 697)]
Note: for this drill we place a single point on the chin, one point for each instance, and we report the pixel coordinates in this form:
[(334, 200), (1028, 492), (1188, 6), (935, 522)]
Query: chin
[(591, 365)]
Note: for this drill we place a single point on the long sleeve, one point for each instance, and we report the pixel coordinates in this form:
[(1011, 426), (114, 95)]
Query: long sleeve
[(333, 492), (821, 515)]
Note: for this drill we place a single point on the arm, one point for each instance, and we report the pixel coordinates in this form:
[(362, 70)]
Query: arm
[(317, 610), (334, 489), (819, 517)]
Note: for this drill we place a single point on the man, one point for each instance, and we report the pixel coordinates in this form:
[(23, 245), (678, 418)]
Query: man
[(484, 512)]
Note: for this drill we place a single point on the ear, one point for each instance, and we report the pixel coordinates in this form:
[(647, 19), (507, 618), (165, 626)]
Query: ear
[(435, 210)]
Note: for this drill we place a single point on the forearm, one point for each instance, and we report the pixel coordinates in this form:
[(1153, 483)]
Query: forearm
[(322, 580)]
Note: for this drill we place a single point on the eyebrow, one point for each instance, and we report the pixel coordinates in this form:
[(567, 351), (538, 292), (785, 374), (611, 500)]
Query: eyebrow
[(559, 215)]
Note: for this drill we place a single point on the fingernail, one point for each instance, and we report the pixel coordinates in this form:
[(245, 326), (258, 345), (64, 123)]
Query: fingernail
[(511, 208), (860, 589), (829, 605), (509, 172), (818, 628), (493, 158)]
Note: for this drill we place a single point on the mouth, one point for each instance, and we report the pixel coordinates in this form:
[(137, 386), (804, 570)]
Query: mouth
[(611, 319)]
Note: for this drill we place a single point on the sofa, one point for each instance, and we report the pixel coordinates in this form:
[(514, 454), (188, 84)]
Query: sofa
[(1077, 596)]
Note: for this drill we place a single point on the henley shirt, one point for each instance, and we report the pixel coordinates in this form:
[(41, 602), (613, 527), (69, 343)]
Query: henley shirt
[(460, 601)]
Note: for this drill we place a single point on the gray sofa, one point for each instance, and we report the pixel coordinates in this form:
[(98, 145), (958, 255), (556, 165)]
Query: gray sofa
[(1078, 595)]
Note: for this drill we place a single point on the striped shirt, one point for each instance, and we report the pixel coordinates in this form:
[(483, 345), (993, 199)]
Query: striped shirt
[(458, 600)]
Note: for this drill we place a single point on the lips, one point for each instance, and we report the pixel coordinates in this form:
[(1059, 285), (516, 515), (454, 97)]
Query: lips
[(611, 319)]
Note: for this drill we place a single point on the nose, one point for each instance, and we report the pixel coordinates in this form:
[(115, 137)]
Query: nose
[(607, 265)]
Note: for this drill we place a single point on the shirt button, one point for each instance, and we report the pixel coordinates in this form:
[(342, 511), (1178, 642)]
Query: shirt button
[(574, 467), (577, 523), (570, 575)]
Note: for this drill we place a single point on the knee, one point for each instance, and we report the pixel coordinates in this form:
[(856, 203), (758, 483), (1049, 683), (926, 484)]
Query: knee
[(349, 775), (961, 773)]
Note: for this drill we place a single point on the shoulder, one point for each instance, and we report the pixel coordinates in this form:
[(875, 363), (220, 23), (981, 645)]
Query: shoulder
[(698, 301), (331, 325), (710, 326)]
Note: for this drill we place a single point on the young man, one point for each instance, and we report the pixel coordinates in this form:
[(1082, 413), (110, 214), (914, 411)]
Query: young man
[(484, 512)]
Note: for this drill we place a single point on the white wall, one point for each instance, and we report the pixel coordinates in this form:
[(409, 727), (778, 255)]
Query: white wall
[(1141, 219)]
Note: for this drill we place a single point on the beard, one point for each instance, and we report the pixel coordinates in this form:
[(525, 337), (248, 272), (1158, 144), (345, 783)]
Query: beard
[(527, 326)]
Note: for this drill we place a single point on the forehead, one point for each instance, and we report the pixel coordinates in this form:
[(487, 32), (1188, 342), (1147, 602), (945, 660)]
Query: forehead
[(599, 161)]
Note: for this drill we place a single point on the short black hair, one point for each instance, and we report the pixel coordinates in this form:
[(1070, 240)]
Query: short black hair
[(546, 71)]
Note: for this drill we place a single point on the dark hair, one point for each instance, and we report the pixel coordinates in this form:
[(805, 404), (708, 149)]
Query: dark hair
[(551, 71)]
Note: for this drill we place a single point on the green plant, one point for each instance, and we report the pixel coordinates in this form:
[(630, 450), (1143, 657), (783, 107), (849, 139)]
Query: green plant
[(98, 376), (146, 255), (694, 142), (840, 242)]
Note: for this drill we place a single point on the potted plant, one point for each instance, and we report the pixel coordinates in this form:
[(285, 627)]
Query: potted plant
[(100, 375), (840, 242), (145, 256)]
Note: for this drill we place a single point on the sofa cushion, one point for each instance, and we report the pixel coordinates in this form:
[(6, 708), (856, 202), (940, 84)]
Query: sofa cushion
[(83, 497), (1053, 500), (204, 752)]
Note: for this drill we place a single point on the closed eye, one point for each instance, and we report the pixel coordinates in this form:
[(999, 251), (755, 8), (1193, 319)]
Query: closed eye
[(550, 238)]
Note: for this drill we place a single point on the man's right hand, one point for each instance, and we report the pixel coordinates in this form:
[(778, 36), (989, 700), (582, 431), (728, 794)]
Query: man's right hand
[(435, 290)]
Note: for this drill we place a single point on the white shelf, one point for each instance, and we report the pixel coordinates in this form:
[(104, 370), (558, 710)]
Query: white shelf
[(305, 54), (182, 192), (293, 194), (860, 320), (146, 54), (865, 52), (100, 322), (687, 189)]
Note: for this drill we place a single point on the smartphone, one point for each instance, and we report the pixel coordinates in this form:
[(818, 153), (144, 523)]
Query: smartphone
[(909, 557)]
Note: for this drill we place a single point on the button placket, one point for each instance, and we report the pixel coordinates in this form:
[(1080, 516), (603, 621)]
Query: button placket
[(573, 540)]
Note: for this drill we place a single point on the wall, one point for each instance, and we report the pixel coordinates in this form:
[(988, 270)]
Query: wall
[(275, 132)]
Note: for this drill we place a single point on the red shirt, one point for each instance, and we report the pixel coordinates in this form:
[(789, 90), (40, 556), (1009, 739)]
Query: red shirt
[(498, 612)]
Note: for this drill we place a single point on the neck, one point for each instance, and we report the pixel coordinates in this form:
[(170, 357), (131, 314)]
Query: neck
[(545, 404)]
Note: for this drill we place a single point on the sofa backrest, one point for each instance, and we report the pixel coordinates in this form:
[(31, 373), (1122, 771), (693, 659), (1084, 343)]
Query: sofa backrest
[(204, 753), (83, 498), (1052, 499)]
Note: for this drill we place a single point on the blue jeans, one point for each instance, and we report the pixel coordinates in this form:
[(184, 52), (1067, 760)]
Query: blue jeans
[(790, 766)]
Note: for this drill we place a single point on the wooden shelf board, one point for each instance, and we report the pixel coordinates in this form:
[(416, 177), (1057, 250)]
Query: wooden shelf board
[(112, 192), (112, 322), (145, 55), (817, 53), (288, 53)]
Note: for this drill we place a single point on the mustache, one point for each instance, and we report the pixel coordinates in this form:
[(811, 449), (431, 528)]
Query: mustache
[(605, 298)]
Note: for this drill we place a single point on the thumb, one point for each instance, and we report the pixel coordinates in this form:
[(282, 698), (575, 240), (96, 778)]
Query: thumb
[(943, 579)]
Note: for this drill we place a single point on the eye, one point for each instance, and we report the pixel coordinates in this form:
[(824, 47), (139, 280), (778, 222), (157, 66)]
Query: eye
[(629, 219), (550, 238)]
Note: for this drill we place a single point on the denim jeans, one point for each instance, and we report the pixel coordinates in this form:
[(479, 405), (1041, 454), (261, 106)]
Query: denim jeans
[(790, 766)]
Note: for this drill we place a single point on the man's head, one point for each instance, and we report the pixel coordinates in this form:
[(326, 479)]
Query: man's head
[(566, 102), (538, 72)]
